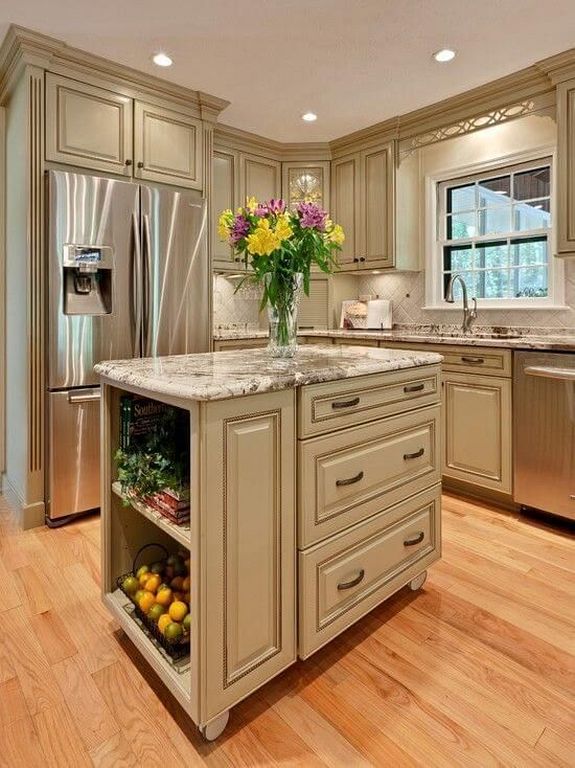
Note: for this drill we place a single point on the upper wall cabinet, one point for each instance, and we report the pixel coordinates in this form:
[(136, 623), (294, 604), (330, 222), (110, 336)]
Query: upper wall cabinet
[(167, 146), (260, 177), (87, 126), (566, 169), (91, 127), (363, 203), (306, 182)]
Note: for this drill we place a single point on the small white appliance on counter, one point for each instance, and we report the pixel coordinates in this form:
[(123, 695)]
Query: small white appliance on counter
[(379, 314)]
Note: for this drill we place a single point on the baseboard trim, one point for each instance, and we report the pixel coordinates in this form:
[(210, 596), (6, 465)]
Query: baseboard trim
[(461, 488), (28, 515)]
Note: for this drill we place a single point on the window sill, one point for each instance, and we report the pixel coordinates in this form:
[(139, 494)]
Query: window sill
[(446, 307)]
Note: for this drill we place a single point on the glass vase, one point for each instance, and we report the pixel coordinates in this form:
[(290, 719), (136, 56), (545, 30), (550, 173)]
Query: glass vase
[(282, 315)]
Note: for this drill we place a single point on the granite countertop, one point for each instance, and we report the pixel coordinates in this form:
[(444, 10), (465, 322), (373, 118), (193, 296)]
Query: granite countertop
[(222, 375), (520, 339)]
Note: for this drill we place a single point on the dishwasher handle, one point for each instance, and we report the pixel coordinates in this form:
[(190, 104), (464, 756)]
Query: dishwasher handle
[(550, 372)]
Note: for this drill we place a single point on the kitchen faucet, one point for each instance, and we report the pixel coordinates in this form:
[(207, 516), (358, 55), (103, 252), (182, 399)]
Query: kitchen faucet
[(469, 315)]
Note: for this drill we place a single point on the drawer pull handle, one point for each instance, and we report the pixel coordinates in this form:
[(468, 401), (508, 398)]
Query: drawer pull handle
[(414, 388), (350, 480), (416, 455), (353, 582), (345, 403), (473, 360), (415, 540)]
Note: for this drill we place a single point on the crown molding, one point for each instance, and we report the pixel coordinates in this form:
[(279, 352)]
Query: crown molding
[(244, 141), (24, 47), (559, 68)]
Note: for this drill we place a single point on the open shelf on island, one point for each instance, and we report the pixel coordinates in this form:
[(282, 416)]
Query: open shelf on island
[(181, 533), (175, 674)]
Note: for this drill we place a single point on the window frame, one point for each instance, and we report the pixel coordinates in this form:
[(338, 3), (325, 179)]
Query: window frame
[(436, 216)]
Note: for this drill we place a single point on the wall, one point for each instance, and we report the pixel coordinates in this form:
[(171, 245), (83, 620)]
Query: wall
[(235, 308), (407, 290)]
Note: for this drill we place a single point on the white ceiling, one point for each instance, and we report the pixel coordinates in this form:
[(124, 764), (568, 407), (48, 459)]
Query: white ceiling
[(354, 62)]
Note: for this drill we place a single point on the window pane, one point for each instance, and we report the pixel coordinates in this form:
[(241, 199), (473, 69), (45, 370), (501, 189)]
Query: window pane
[(534, 215), (493, 221), (461, 226), (492, 255), (494, 191), (469, 278), (455, 259), (493, 284), (461, 198), (530, 282), (528, 185), (530, 251)]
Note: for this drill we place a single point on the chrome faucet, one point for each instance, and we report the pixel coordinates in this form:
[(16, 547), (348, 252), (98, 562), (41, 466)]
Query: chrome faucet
[(469, 315)]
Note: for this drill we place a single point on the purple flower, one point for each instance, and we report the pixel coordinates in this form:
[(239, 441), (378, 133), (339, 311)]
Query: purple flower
[(312, 216), (240, 229), (274, 206), (262, 210)]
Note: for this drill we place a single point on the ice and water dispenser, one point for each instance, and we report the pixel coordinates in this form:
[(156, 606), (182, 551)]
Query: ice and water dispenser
[(87, 279)]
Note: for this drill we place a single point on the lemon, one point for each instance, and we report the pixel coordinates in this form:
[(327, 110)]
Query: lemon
[(153, 583), (141, 570), (164, 596), (173, 631), (136, 597), (163, 622), (177, 610)]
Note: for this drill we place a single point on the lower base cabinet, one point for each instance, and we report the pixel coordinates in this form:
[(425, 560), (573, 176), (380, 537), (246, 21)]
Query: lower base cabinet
[(477, 430)]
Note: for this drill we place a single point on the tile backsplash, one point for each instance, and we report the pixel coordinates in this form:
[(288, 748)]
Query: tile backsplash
[(407, 293), (235, 308)]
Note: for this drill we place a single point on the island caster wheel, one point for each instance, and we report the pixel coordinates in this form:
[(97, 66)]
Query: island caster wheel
[(418, 581), (216, 727)]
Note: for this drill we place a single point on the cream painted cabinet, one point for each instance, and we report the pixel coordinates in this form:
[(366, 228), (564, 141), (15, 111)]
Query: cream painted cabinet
[(306, 182), (565, 169), (167, 146), (363, 203), (88, 126), (95, 128), (260, 177), (477, 430), (225, 194)]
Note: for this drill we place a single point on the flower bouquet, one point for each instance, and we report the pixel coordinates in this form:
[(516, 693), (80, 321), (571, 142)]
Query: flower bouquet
[(280, 247)]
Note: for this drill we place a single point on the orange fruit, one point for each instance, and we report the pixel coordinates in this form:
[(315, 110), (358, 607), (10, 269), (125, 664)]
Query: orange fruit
[(164, 596), (155, 612), (163, 622), (153, 583), (146, 602), (178, 610), (186, 584), (138, 595), (141, 571), (177, 583), (143, 579)]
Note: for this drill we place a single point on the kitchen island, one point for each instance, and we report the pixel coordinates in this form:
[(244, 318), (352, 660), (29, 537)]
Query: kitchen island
[(314, 495)]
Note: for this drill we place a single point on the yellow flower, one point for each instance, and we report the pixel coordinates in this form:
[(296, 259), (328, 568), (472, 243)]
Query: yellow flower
[(225, 224), (251, 204), (283, 228), (263, 241), (336, 235)]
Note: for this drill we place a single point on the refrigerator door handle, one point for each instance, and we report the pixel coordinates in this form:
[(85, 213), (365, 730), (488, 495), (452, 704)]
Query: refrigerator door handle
[(147, 288), (89, 397), (137, 286)]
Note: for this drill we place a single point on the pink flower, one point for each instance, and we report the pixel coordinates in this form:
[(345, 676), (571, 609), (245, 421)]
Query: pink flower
[(312, 216), (274, 206), (240, 229)]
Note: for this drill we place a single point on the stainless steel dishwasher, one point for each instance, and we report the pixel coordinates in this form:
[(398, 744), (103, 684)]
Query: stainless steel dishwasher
[(544, 431)]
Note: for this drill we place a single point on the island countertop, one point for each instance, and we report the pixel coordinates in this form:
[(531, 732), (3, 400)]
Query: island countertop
[(223, 375)]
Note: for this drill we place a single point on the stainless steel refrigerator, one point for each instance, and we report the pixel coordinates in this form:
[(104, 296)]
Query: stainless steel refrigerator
[(128, 276)]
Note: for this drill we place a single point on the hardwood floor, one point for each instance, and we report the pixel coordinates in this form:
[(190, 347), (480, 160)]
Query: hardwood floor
[(477, 669)]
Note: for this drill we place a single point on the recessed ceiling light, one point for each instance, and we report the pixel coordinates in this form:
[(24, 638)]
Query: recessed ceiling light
[(444, 55), (309, 117), (162, 60)]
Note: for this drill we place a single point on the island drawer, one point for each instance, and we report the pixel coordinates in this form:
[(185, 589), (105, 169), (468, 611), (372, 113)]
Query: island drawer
[(337, 404), (351, 573), (353, 474), (465, 359)]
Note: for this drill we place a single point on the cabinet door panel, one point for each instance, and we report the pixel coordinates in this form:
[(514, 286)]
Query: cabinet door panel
[(87, 126), (249, 530), (376, 248), (224, 195), (345, 206), (566, 169), (260, 178), (167, 146), (477, 430)]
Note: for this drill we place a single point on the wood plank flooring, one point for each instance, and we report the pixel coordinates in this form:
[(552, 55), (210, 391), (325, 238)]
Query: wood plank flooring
[(477, 669)]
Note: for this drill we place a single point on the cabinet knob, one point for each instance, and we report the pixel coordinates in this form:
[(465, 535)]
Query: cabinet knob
[(355, 259), (128, 162), (140, 164), (362, 258)]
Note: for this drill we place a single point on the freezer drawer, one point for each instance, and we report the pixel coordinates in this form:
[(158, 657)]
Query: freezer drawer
[(73, 451)]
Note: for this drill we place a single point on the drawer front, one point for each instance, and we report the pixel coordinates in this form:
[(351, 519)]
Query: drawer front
[(347, 576), (351, 475), (471, 359), (335, 405)]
